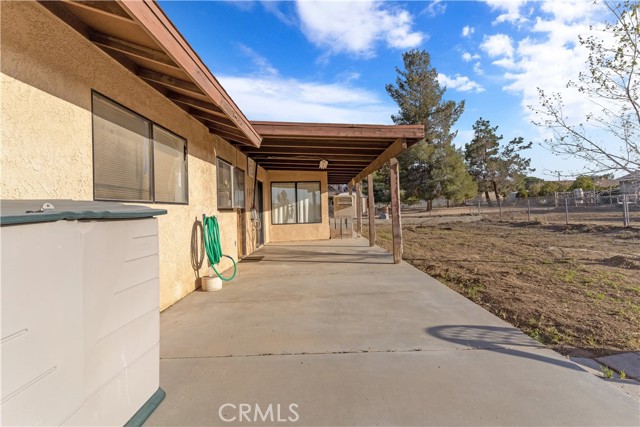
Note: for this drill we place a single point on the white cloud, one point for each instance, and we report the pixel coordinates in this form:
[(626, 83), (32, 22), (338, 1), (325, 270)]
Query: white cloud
[(274, 8), (460, 83), (549, 55), (498, 45), (506, 62), (477, 68), (570, 10), (289, 99), (356, 27), (467, 31), (260, 62), (463, 137), (511, 10), (267, 95), (467, 57), (435, 8)]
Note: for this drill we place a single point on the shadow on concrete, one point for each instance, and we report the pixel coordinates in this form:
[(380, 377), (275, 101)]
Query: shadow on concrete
[(284, 255), (289, 245), (497, 338), (328, 261)]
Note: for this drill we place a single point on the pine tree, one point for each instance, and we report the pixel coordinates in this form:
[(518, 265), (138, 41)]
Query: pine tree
[(482, 155), (420, 100), (493, 169)]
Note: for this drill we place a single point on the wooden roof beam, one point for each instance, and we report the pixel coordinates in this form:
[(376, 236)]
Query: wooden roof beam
[(149, 15), (132, 49), (315, 165), (226, 135), (168, 81), (330, 158), (66, 16), (324, 144), (309, 168), (110, 9), (281, 129), (207, 107), (354, 165), (311, 151), (394, 149), (223, 122)]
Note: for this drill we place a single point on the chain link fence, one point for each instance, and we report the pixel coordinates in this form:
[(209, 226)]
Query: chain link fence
[(563, 208)]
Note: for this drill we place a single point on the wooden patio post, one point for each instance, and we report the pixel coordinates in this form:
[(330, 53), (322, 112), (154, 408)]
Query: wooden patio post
[(359, 209), (396, 223), (372, 211)]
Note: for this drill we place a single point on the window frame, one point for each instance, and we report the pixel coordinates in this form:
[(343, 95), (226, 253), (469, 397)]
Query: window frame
[(153, 161), (244, 188), (295, 184), (233, 184), (152, 171)]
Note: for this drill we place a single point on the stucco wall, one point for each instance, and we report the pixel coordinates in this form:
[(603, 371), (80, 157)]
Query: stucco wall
[(292, 232), (48, 72)]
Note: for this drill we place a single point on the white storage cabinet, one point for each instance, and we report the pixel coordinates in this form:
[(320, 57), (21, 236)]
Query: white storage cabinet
[(79, 312)]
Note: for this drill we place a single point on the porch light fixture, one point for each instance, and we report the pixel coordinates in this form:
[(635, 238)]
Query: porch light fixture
[(323, 164)]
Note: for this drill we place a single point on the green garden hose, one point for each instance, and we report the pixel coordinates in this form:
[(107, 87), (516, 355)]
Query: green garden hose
[(212, 246)]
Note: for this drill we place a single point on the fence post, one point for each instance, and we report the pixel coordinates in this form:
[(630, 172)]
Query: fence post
[(528, 210), (625, 211), (566, 210), (500, 206), (479, 201)]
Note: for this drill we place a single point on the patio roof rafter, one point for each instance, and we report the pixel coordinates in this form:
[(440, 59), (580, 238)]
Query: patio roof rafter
[(364, 147), (133, 49)]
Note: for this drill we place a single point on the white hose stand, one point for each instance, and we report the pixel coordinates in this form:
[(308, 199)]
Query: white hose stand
[(211, 283)]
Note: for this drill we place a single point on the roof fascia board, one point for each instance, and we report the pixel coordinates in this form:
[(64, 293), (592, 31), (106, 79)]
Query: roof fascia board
[(283, 129), (153, 20)]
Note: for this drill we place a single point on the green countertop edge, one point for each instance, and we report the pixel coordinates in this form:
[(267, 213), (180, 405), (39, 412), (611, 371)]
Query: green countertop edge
[(147, 409), (73, 216)]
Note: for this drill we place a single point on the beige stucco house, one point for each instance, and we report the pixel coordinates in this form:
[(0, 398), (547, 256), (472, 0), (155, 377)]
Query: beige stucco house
[(107, 101)]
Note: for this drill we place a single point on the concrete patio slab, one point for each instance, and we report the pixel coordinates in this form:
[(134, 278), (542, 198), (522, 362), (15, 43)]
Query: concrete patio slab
[(627, 362), (628, 385), (352, 339)]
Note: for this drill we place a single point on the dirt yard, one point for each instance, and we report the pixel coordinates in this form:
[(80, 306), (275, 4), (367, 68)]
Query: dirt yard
[(575, 289)]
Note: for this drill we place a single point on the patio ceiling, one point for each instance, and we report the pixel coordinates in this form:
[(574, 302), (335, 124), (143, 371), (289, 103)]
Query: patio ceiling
[(352, 151), (140, 36)]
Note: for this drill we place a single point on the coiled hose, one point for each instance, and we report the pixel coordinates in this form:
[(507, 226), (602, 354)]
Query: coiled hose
[(197, 247), (212, 246)]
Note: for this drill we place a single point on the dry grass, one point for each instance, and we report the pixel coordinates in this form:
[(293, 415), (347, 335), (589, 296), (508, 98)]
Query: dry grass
[(576, 289)]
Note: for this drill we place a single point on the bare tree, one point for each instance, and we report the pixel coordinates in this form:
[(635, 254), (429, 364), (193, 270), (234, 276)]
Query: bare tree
[(609, 136)]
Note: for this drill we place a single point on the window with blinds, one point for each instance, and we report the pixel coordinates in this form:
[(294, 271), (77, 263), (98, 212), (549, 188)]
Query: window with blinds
[(230, 186), (238, 188), (169, 167), (135, 160), (224, 184)]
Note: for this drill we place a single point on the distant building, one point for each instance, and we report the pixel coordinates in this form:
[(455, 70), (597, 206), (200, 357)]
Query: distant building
[(606, 183), (630, 184)]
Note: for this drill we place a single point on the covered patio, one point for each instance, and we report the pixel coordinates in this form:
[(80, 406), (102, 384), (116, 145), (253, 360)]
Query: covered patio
[(336, 329), (349, 153)]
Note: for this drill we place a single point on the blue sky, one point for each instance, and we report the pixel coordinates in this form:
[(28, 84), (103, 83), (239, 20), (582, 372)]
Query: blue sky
[(329, 61)]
